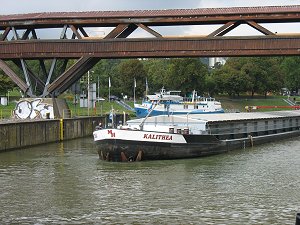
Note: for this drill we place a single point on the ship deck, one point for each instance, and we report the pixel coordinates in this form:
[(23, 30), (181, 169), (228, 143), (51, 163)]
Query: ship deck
[(219, 117), (231, 117)]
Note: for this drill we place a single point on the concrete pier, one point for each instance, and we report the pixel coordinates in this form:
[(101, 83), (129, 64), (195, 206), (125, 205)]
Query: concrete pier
[(19, 133)]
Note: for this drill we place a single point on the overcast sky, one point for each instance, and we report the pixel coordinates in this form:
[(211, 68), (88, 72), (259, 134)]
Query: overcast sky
[(31, 6), (28, 6)]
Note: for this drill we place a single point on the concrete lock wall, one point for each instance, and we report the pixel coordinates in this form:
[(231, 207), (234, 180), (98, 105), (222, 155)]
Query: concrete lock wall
[(20, 134), (75, 128)]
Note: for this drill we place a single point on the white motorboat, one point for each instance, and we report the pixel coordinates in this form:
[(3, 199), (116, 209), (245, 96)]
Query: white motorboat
[(171, 103)]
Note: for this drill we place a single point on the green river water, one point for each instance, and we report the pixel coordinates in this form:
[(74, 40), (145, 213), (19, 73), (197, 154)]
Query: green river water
[(66, 183)]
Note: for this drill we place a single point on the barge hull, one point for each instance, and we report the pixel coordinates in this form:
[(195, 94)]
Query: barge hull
[(124, 150), (118, 150)]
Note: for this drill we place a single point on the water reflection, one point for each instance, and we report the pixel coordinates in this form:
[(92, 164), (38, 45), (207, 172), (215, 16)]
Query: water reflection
[(66, 183)]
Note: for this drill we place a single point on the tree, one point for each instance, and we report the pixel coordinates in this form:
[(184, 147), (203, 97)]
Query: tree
[(128, 70), (104, 69), (265, 74), (291, 68), (158, 71), (254, 74), (6, 84), (187, 74), (210, 85), (274, 80), (230, 79)]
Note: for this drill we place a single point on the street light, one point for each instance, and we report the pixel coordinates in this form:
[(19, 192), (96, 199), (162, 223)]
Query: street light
[(8, 97), (88, 92)]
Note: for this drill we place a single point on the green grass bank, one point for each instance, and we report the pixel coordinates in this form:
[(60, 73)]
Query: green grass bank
[(229, 104)]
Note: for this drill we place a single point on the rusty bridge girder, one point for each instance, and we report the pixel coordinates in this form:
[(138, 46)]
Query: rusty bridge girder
[(129, 48), (20, 41)]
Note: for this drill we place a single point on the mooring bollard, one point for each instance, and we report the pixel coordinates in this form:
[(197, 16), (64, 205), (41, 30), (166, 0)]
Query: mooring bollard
[(297, 219)]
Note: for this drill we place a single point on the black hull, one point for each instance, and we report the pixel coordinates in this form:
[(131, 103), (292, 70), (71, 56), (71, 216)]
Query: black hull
[(120, 150), (136, 151)]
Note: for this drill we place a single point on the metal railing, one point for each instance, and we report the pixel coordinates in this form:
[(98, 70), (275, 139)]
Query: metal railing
[(67, 113)]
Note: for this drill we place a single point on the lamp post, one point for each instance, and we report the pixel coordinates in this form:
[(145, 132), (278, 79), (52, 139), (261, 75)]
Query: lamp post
[(8, 97), (98, 94), (88, 92)]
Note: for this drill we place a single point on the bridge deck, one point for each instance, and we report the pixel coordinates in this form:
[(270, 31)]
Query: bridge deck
[(19, 39)]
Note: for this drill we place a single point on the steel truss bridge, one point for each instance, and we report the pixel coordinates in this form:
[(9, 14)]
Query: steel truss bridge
[(75, 38)]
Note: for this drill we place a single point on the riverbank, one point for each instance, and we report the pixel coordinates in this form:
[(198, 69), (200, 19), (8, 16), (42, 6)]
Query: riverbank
[(239, 103), (229, 105)]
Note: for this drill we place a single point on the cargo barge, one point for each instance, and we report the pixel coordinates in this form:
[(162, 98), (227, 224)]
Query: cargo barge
[(189, 136)]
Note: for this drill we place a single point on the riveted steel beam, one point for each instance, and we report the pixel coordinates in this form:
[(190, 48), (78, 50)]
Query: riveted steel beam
[(5, 33), (9, 72), (121, 31), (149, 30), (225, 29), (153, 47), (259, 28), (75, 31), (63, 82), (267, 14)]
